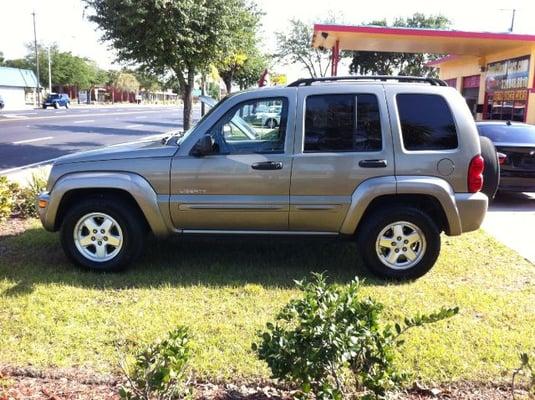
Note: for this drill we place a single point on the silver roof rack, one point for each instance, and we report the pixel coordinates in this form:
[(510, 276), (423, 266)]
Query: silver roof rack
[(384, 78)]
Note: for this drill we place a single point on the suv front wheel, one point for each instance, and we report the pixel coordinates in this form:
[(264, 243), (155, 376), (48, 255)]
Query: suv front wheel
[(399, 243), (102, 234)]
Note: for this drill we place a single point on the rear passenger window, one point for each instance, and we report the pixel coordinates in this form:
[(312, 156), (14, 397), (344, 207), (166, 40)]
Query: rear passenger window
[(342, 122), (426, 122)]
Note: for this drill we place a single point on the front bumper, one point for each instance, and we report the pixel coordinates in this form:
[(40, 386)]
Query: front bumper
[(43, 202), (472, 208)]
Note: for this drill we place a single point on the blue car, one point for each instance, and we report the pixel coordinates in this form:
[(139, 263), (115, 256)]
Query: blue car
[(57, 100)]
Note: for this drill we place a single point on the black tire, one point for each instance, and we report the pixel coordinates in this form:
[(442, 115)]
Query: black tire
[(66, 105), (374, 224), (44, 107), (491, 173), (127, 217), (56, 106)]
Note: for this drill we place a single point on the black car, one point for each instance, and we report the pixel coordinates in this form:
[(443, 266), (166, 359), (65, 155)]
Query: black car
[(515, 144)]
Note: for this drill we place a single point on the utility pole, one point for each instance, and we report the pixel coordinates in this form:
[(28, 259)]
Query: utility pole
[(36, 61), (49, 73)]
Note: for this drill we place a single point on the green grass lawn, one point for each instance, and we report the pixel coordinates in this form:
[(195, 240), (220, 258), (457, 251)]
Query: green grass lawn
[(53, 314)]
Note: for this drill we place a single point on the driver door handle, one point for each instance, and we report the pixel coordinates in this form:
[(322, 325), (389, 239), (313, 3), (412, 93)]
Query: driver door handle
[(267, 165), (372, 163)]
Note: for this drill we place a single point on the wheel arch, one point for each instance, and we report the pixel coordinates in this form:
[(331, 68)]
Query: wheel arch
[(432, 194), (126, 186), (73, 196)]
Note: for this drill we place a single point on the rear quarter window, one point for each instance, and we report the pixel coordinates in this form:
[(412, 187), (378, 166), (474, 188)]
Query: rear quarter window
[(426, 122)]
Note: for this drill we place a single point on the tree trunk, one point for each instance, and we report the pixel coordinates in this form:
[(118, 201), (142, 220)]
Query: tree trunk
[(203, 92), (228, 85), (187, 98)]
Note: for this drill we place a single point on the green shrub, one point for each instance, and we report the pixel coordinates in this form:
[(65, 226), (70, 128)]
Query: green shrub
[(330, 342), (527, 371), (25, 204), (159, 370), (6, 198)]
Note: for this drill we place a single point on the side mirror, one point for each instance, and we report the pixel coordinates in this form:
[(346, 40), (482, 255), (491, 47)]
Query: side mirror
[(203, 147)]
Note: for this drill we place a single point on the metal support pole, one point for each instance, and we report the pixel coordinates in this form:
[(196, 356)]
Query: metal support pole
[(36, 61), (335, 58), (49, 72)]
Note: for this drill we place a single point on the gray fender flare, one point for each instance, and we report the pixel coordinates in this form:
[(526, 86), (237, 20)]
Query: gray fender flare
[(135, 185), (373, 188)]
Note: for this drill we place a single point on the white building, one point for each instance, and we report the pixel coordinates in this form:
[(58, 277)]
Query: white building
[(17, 88)]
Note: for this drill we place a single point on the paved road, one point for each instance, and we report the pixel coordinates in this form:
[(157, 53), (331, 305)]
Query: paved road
[(29, 137), (511, 220)]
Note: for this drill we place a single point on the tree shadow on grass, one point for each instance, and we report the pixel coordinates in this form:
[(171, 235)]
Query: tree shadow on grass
[(35, 257)]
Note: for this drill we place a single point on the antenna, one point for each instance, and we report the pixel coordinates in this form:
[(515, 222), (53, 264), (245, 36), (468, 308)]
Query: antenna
[(513, 10)]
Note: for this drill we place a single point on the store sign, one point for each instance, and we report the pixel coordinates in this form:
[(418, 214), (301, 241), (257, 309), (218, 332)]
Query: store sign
[(507, 75), (511, 95)]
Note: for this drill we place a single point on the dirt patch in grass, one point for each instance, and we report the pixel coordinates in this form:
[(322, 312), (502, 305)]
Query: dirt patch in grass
[(14, 226), (69, 384)]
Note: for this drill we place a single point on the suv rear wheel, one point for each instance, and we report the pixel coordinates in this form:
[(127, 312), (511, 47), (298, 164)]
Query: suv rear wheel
[(399, 243), (102, 234)]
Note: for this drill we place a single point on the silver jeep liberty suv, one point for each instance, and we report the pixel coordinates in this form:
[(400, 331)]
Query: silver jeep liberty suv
[(390, 162)]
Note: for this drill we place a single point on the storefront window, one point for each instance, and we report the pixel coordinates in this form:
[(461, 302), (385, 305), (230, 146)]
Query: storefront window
[(507, 89), (470, 92), (451, 82)]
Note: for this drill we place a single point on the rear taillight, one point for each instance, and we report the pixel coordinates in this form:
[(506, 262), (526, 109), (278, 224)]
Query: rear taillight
[(475, 174), (501, 158)]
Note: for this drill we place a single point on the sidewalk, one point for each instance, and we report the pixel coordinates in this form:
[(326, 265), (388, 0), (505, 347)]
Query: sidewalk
[(510, 219)]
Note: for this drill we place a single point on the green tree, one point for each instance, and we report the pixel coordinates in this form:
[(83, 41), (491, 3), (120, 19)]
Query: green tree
[(294, 47), (19, 63), (127, 82), (147, 80), (2, 59), (66, 68), (389, 63), (249, 73), (244, 47), (182, 36)]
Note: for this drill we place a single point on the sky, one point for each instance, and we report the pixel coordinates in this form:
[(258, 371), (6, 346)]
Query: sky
[(65, 21)]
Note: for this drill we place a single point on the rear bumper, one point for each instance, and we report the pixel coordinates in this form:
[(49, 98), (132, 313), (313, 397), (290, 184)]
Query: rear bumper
[(472, 208)]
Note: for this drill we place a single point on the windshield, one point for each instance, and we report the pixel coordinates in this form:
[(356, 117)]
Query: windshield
[(190, 130), (508, 133)]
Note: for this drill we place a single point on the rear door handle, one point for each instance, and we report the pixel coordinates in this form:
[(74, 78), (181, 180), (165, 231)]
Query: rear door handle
[(267, 165), (372, 163)]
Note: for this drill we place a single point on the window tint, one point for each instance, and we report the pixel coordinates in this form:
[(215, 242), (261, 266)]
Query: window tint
[(256, 126), (426, 122), (508, 133), (342, 122)]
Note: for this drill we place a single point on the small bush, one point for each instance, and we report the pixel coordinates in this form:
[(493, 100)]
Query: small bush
[(6, 198), (527, 371), (159, 370), (330, 342), (25, 204)]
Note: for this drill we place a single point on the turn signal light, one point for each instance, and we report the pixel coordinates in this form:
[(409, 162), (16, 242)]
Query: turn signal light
[(42, 203), (475, 174)]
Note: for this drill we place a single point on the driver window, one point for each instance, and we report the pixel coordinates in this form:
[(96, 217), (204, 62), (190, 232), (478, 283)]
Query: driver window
[(255, 126)]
